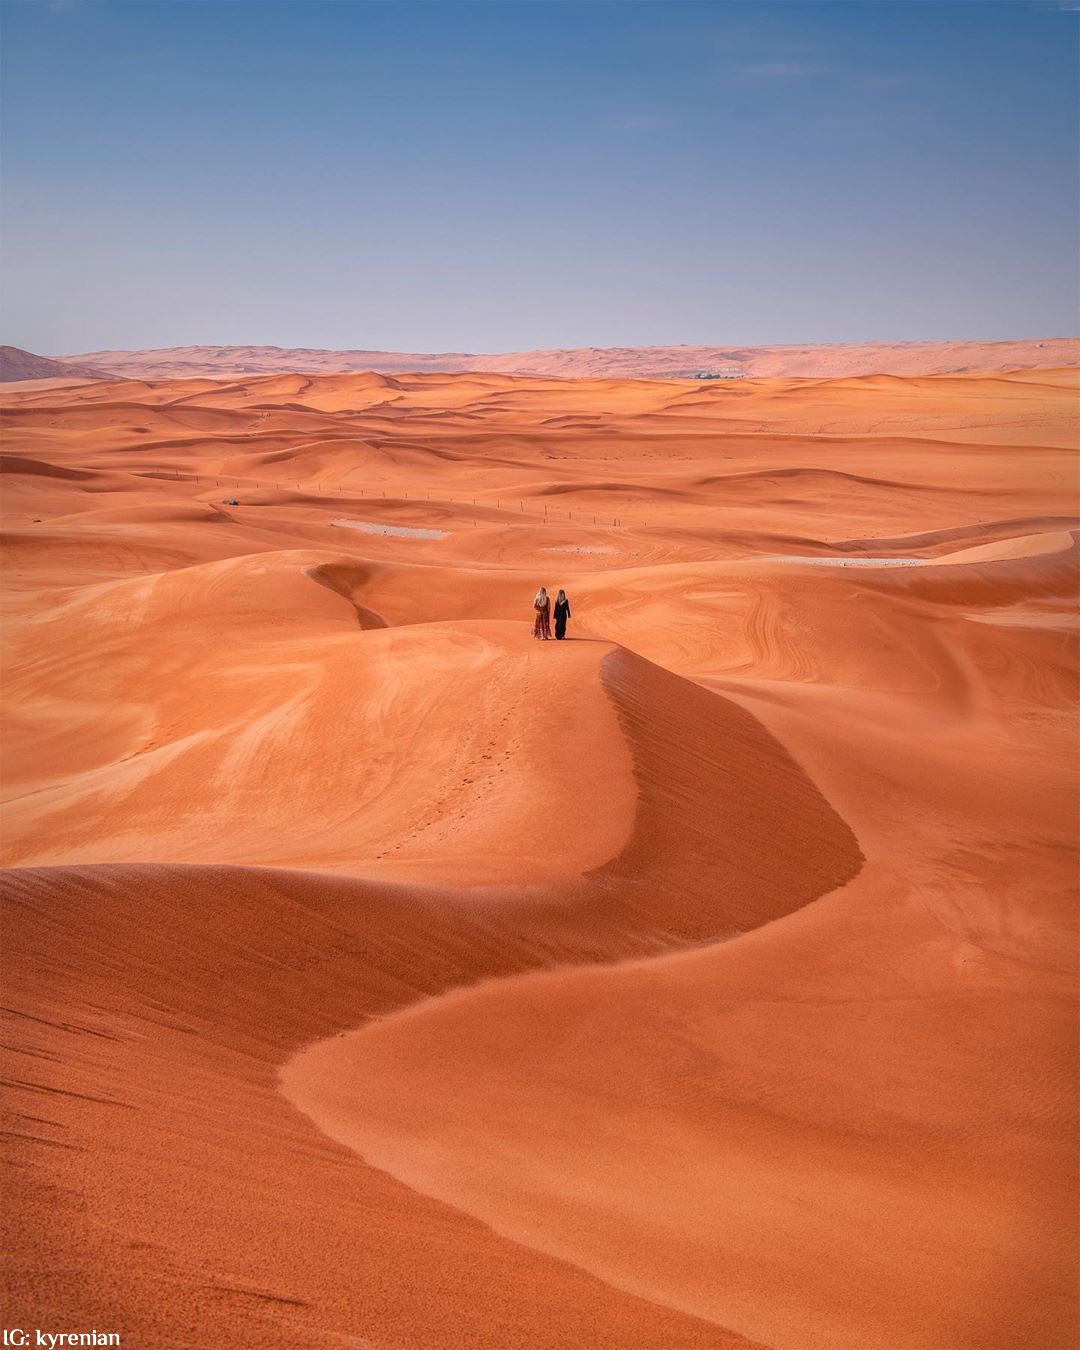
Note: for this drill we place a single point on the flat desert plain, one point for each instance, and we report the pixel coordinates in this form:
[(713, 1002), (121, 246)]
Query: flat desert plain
[(377, 976)]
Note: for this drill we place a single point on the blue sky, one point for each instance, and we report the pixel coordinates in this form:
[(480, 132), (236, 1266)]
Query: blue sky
[(428, 175)]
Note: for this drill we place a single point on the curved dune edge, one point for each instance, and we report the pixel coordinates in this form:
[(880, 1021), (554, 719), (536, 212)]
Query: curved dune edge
[(228, 970), (161, 1183), (806, 1134), (730, 831), (656, 1141), (706, 862), (1005, 550)]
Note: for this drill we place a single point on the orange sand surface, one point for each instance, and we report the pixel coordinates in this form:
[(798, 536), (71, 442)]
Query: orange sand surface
[(376, 976)]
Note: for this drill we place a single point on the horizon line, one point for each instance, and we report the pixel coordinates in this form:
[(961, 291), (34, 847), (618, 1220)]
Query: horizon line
[(588, 347)]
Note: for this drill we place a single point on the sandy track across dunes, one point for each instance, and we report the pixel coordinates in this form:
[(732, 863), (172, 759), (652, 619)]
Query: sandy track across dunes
[(378, 976)]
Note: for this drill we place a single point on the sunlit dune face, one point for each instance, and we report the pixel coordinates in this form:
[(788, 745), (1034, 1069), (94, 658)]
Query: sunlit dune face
[(382, 975)]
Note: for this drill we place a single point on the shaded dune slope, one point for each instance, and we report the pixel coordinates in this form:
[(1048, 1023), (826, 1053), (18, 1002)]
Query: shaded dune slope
[(723, 811)]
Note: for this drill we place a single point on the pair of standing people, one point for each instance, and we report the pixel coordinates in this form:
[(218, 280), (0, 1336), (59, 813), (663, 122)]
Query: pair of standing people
[(542, 606)]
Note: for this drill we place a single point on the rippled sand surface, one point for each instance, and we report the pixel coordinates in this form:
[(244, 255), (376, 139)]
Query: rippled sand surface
[(377, 976)]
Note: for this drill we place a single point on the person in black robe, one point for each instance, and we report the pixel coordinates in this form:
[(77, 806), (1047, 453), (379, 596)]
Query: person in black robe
[(562, 613)]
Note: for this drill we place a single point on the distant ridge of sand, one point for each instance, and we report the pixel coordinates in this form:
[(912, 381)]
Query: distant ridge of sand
[(16, 364), (681, 362)]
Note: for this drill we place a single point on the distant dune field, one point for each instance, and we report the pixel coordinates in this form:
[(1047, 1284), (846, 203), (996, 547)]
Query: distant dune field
[(378, 976), (17, 365), (831, 360)]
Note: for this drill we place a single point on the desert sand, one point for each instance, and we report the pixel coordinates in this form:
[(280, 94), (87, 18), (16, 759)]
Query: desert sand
[(377, 976), (819, 360)]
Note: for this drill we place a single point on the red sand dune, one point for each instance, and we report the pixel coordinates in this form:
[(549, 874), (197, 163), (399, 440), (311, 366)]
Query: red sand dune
[(832, 360), (377, 976)]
